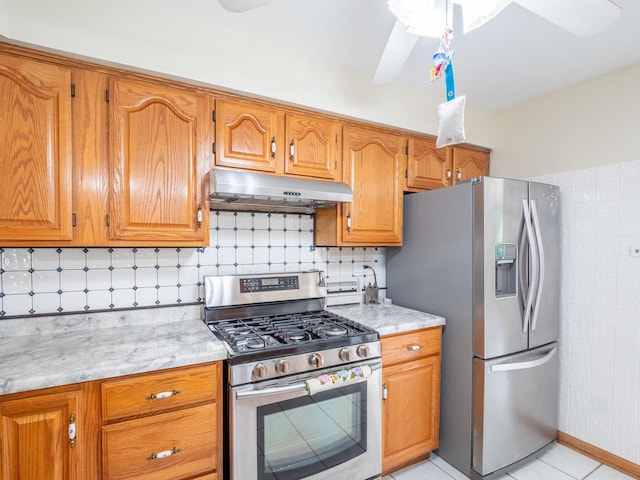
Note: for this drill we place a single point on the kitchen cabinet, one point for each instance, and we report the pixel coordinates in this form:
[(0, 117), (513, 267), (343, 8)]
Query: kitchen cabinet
[(411, 396), (35, 150), (372, 161), (163, 425), (90, 158), (468, 162), (43, 436), (430, 167), (157, 161), (265, 138), (427, 166)]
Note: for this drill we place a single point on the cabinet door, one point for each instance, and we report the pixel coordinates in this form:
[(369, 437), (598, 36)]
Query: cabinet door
[(314, 147), (427, 166), (469, 163), (249, 136), (158, 162), (35, 151), (372, 162), (411, 411), (34, 437)]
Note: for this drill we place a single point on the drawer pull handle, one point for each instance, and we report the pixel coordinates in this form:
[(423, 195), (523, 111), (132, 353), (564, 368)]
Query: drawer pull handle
[(163, 454), (413, 348), (167, 394)]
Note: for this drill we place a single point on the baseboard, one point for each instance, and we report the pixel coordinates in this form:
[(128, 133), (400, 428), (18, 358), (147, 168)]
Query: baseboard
[(609, 459)]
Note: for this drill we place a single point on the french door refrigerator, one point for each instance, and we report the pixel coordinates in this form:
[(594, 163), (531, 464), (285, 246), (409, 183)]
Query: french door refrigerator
[(485, 255)]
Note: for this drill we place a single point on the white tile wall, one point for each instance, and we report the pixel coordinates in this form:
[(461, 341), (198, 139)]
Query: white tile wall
[(37, 281), (600, 311)]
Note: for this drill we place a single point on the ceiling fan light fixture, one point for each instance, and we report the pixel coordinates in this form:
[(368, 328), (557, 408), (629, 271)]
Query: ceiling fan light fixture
[(428, 18)]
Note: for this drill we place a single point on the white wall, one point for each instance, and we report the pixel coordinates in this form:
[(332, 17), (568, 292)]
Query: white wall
[(164, 36), (587, 125)]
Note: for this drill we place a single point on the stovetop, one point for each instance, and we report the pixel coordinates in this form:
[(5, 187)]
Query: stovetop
[(263, 337)]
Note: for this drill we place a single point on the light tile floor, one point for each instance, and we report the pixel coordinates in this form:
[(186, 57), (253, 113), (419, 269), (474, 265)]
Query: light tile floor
[(557, 463)]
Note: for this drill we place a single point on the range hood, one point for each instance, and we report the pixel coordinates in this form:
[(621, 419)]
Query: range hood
[(249, 190)]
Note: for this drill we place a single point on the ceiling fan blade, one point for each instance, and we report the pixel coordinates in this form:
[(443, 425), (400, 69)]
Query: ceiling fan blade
[(396, 52), (580, 17), (243, 5)]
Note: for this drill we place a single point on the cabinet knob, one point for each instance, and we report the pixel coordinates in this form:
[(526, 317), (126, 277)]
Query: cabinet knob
[(349, 222), (413, 348), (273, 147), (72, 430), (458, 174), (448, 175)]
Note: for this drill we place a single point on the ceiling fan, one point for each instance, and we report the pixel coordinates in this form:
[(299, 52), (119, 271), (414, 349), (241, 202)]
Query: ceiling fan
[(579, 17)]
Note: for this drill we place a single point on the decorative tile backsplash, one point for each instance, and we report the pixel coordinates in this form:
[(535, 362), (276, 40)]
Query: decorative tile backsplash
[(36, 281)]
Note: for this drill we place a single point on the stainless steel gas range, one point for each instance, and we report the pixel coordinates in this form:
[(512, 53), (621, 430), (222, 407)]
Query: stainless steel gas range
[(304, 385)]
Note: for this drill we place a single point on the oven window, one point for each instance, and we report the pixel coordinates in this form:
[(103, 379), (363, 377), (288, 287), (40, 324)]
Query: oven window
[(303, 436)]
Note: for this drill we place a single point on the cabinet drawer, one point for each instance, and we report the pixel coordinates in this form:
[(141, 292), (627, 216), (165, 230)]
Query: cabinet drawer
[(409, 346), (129, 447), (154, 392)]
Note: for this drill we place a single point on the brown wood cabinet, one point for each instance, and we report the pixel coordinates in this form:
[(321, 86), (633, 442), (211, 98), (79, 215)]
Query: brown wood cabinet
[(411, 396), (158, 161), (98, 159), (152, 426), (468, 162), (257, 137), (372, 161), (35, 440), (163, 425), (429, 167), (35, 151)]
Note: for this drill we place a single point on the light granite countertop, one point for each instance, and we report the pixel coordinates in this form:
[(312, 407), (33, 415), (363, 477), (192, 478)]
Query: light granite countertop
[(43, 352), (387, 318), (40, 352)]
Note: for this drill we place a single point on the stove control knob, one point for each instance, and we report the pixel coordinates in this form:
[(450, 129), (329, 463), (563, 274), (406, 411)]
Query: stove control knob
[(282, 366), (260, 371), (345, 355), (316, 360), (363, 351)]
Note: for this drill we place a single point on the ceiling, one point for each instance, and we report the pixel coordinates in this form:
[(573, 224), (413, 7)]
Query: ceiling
[(513, 58)]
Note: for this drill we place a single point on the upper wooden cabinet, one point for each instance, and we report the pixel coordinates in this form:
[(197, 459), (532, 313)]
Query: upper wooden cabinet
[(427, 165), (430, 167), (372, 162), (468, 162), (246, 136), (314, 147), (35, 440), (157, 158), (35, 151), (262, 138)]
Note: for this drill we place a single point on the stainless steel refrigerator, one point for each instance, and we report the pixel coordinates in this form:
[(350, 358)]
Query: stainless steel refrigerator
[(485, 255)]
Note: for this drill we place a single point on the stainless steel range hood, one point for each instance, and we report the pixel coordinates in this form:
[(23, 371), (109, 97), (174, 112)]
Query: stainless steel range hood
[(248, 190)]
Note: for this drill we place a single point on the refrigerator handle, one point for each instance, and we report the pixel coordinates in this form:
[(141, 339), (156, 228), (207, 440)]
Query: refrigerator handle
[(533, 279), (536, 225), (504, 367)]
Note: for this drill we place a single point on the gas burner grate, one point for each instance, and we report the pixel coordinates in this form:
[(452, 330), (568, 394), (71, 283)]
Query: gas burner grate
[(266, 332)]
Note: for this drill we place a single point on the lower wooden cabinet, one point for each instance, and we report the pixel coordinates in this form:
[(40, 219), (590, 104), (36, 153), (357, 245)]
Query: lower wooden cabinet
[(411, 396), (164, 425), (37, 440)]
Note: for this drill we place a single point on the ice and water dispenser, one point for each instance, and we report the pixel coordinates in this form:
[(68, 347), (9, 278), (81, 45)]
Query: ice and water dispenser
[(506, 269)]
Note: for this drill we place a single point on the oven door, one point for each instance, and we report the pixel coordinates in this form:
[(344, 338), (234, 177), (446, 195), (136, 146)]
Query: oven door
[(279, 431)]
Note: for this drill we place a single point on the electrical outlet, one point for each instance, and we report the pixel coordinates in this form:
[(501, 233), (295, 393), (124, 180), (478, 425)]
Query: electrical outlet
[(634, 250)]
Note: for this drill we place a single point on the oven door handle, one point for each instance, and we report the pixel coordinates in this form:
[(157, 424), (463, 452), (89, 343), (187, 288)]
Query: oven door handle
[(272, 391), (296, 387)]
